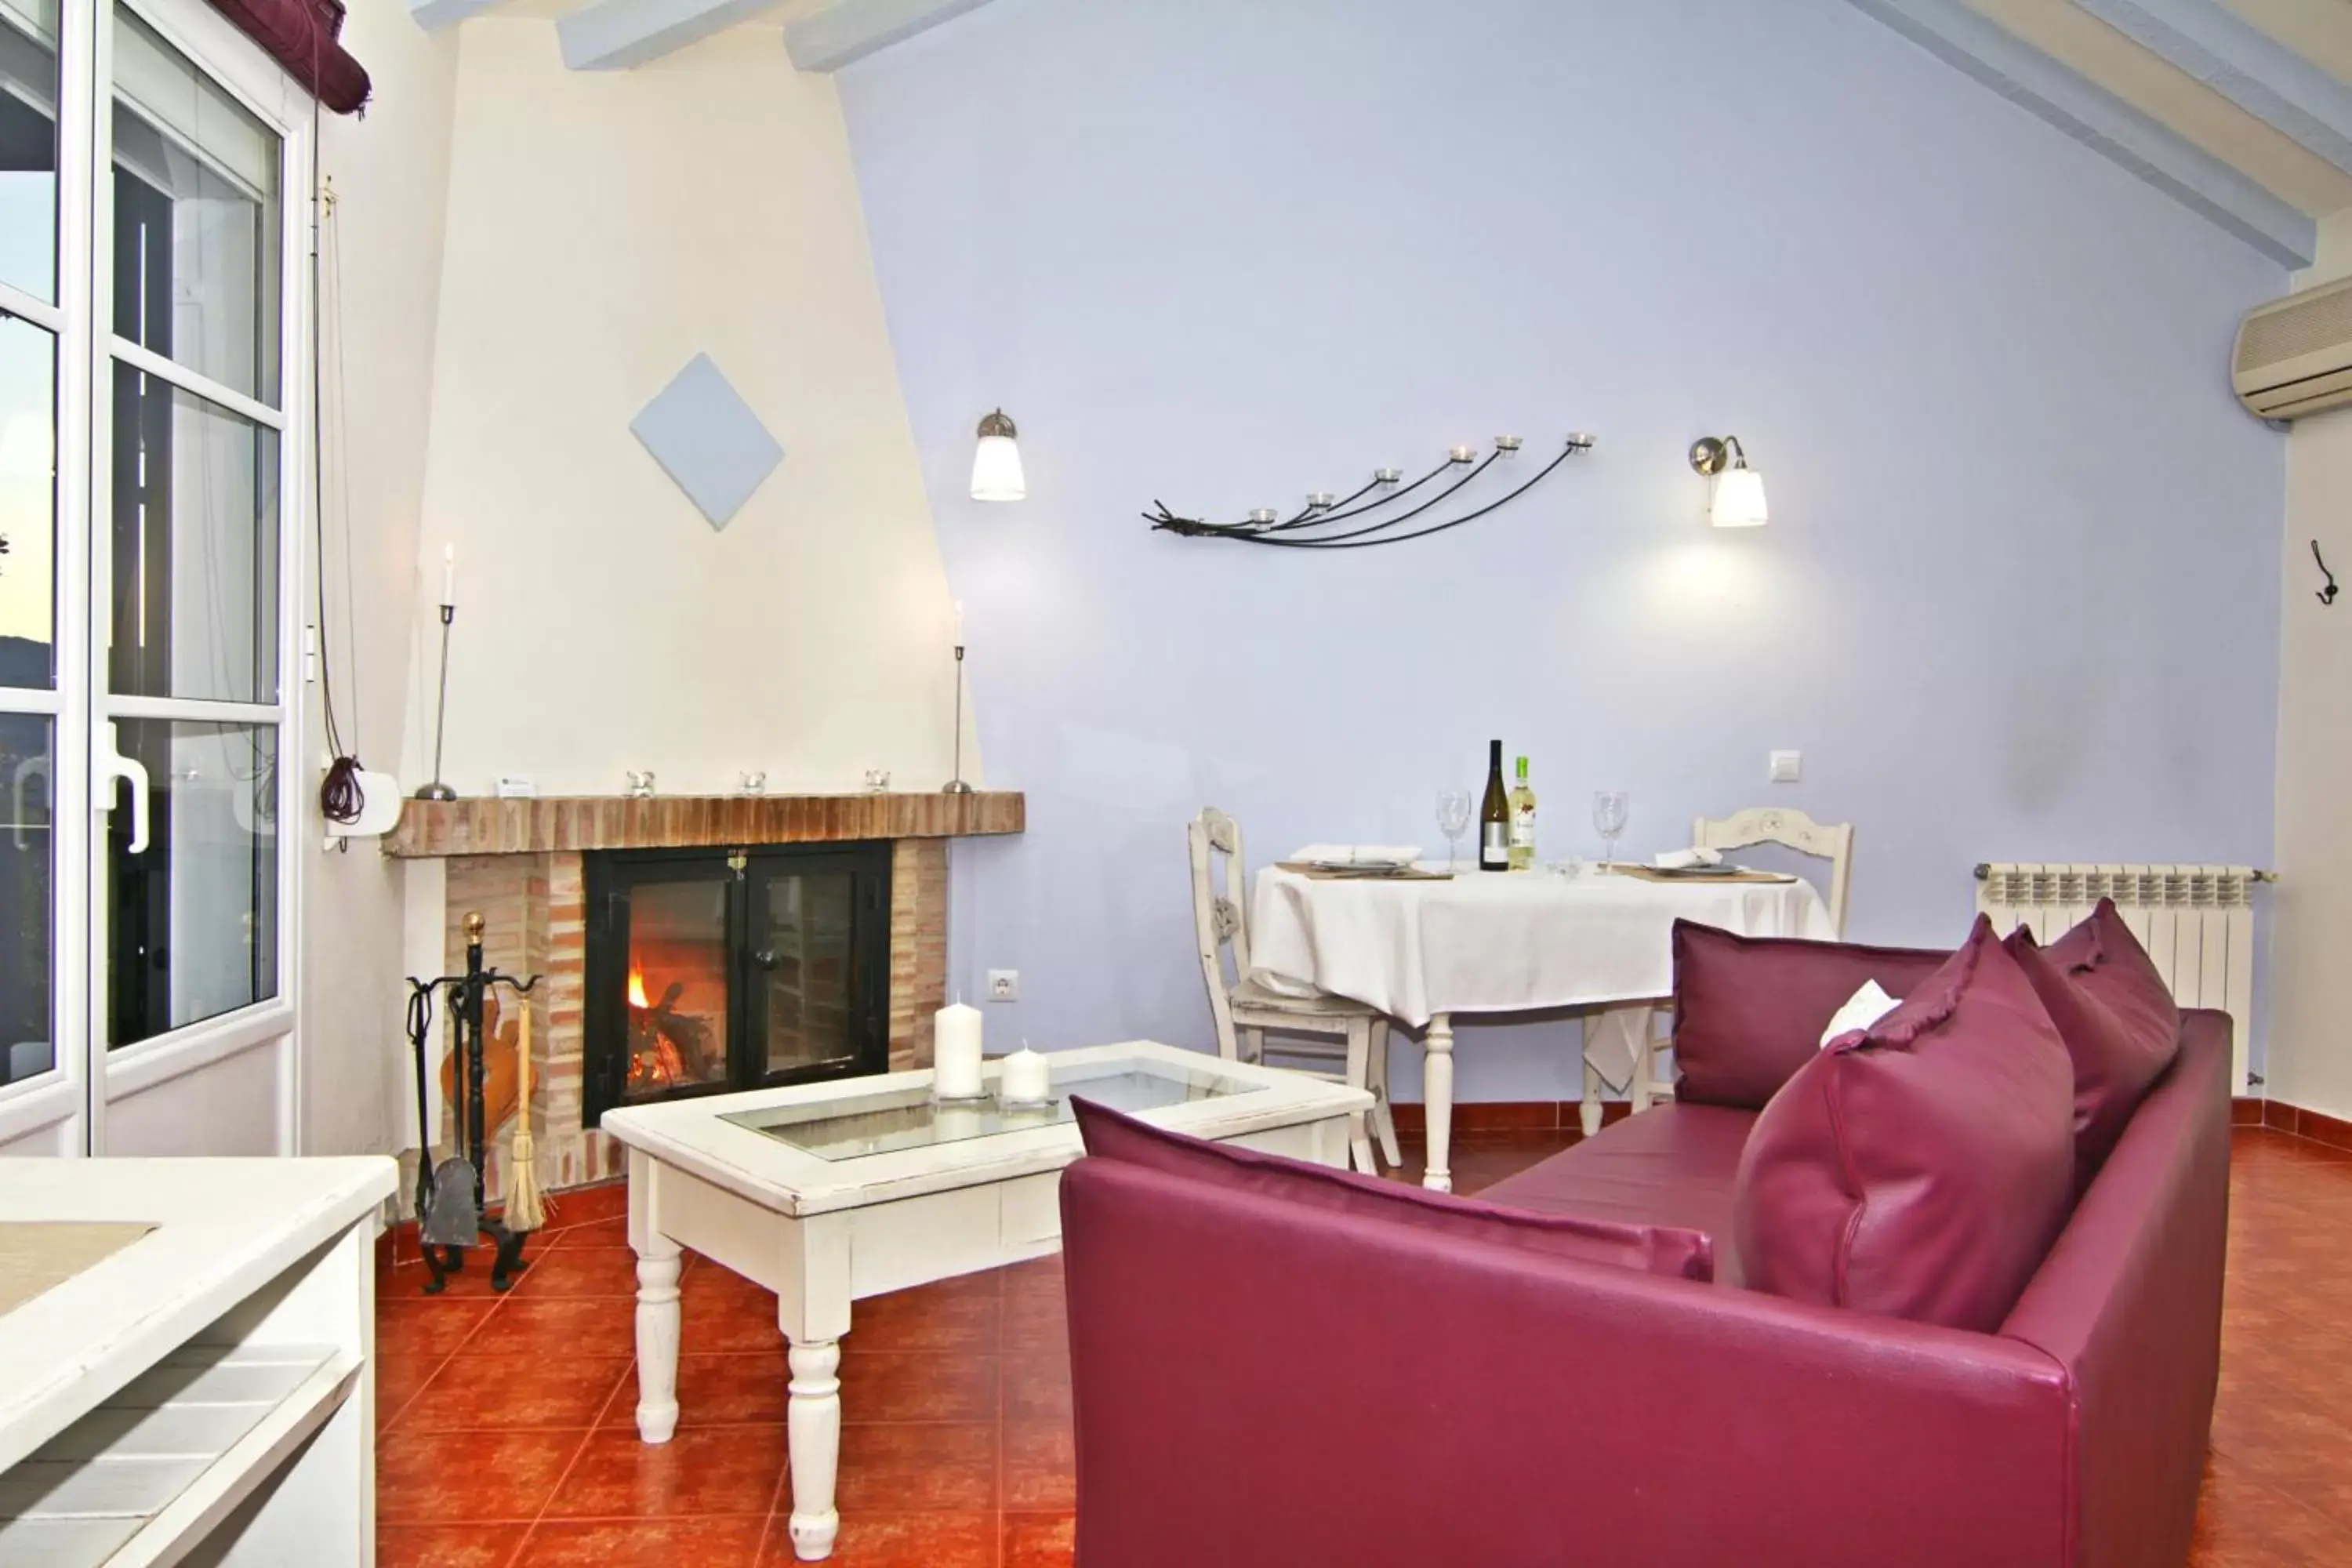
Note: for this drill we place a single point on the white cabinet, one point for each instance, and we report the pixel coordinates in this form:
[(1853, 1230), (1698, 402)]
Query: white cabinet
[(204, 1393)]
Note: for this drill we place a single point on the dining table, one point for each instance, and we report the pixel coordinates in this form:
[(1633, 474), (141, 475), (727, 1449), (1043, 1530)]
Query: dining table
[(1428, 945)]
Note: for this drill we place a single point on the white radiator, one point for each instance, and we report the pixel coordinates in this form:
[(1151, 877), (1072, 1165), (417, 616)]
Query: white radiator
[(2196, 922)]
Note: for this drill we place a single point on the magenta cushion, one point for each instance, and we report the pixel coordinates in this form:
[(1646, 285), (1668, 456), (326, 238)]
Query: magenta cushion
[(1920, 1168), (2116, 1054), (2102, 956), (1654, 1249), (1749, 1010)]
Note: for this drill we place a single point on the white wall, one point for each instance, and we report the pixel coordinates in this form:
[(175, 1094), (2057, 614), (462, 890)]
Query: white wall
[(391, 173), (603, 229), (2310, 1062)]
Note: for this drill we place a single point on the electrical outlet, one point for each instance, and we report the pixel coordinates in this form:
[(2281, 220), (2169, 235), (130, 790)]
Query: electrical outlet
[(1786, 767), (1005, 986)]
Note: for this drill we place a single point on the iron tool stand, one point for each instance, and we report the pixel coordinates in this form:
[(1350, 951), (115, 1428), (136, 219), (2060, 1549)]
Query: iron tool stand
[(465, 994)]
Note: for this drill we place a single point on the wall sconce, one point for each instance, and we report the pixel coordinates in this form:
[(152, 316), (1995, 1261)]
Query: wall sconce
[(1738, 498), (996, 462)]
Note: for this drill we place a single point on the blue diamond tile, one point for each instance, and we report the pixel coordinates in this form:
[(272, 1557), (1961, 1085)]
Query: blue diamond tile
[(708, 440)]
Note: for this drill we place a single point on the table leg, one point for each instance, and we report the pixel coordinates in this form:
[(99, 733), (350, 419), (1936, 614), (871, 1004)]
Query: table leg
[(657, 1333), (1588, 1111), (813, 1428), (1437, 1101)]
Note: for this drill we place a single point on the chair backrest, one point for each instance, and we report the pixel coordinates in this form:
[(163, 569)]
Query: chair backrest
[(1220, 917), (1832, 841)]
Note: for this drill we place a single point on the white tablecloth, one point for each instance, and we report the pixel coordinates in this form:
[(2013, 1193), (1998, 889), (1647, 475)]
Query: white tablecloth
[(1488, 944)]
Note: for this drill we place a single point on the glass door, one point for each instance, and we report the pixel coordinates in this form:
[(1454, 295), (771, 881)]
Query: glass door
[(148, 277)]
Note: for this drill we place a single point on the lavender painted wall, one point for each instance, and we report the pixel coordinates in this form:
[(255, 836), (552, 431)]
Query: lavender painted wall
[(2019, 599)]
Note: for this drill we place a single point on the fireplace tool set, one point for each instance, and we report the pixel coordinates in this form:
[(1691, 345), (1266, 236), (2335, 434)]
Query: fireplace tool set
[(449, 1194)]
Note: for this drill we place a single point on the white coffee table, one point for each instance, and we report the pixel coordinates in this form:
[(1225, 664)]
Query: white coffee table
[(832, 1192)]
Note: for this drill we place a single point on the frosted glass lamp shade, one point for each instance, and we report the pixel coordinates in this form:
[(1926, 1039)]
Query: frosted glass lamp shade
[(1739, 499), (996, 462)]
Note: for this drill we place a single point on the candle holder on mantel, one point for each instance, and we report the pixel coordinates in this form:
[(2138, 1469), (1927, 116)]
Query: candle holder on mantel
[(436, 790), (956, 785)]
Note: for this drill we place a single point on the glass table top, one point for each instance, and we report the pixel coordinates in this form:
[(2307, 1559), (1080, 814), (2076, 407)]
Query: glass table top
[(889, 1122)]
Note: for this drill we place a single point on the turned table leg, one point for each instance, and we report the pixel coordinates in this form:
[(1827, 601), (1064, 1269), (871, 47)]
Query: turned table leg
[(1437, 1101), (813, 1425), (657, 1333)]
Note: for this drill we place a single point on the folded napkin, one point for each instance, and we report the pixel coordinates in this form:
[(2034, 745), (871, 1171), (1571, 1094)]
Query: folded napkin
[(1357, 854), (1862, 1009), (1684, 859)]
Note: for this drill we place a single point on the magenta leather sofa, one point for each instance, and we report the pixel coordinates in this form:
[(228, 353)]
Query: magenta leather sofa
[(1258, 1386)]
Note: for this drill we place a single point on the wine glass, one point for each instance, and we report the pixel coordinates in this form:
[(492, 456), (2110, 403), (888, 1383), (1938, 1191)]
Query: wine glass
[(1609, 809), (1453, 819)]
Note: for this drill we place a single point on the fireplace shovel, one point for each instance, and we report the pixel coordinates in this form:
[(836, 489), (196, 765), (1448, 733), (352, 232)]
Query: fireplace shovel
[(447, 1215)]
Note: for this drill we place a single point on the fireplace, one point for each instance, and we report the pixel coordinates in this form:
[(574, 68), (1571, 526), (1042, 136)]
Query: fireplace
[(708, 971)]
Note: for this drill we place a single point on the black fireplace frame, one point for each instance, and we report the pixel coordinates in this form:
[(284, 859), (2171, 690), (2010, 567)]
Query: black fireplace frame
[(610, 875)]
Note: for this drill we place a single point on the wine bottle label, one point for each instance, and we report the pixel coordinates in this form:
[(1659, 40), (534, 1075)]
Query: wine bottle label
[(1523, 830), (1493, 844)]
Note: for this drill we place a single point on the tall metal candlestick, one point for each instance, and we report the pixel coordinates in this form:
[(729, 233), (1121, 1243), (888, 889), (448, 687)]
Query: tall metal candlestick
[(956, 785), (436, 790)]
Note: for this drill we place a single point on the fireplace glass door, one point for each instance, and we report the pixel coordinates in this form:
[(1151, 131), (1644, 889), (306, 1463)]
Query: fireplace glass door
[(716, 970)]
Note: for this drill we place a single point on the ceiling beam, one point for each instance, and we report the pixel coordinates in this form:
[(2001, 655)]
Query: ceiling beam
[(849, 30), (435, 15), (2107, 125), (621, 35), (2245, 65)]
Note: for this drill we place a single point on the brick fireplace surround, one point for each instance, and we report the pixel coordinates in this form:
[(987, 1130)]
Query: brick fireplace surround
[(520, 863)]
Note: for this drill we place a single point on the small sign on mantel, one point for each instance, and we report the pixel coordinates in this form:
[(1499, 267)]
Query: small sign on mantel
[(515, 786)]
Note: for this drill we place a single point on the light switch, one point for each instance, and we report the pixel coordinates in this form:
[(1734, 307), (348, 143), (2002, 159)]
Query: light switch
[(1786, 767)]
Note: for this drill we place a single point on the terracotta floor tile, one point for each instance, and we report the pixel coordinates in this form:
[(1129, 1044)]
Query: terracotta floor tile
[(1036, 1385), (879, 1540), (702, 1470), (1039, 1465), (447, 1545), (645, 1544), (581, 1271), (915, 1386), (716, 1391), (927, 1321), (1036, 1323), (408, 1278), (585, 1205), (918, 1466), (399, 1378), (427, 1327), (432, 1477), (583, 1326), (595, 1233), (1039, 1540), (516, 1389)]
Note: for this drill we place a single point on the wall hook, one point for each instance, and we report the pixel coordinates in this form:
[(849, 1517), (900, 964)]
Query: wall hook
[(2326, 596)]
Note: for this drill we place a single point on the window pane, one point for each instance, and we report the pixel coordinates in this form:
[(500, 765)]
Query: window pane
[(195, 218), (28, 499), (26, 907), (192, 928), (196, 547), (29, 146)]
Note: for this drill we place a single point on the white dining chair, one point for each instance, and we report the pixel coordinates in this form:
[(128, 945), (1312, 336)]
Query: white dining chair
[(1784, 825), (1246, 1011), (1832, 841)]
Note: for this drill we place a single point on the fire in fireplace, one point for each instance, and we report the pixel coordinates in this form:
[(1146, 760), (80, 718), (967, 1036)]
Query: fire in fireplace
[(715, 969)]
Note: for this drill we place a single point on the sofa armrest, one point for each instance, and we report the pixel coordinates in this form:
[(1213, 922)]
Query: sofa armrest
[(1260, 1385)]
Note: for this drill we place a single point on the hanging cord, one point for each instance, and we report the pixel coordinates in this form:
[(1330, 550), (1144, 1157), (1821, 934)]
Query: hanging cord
[(341, 798)]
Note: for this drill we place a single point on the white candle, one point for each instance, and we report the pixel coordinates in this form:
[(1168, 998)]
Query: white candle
[(959, 607), (1026, 1078), (955, 1052), (449, 573)]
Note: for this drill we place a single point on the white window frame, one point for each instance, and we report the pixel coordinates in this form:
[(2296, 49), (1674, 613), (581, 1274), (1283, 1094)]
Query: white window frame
[(87, 1073)]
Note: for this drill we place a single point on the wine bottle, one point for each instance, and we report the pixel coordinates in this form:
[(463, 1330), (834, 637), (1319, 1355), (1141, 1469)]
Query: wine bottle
[(1522, 823), (1495, 816)]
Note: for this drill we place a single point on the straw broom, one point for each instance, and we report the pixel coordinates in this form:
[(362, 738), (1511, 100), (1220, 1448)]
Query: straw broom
[(526, 1206)]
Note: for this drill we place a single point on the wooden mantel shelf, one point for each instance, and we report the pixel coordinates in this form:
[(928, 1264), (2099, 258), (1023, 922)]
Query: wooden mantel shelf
[(429, 828)]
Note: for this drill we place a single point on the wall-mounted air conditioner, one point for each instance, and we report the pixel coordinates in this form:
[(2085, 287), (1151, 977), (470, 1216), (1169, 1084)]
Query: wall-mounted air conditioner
[(2295, 357)]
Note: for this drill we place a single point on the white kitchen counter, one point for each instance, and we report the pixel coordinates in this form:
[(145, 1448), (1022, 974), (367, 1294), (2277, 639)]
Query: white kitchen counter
[(209, 1384)]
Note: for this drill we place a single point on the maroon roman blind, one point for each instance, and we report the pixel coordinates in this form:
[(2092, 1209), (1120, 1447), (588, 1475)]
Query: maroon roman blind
[(300, 36)]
